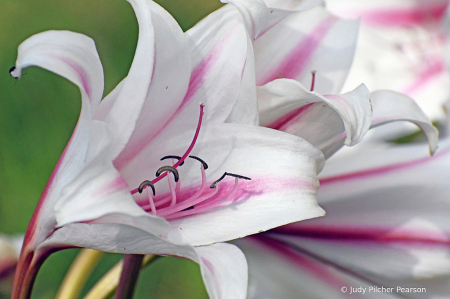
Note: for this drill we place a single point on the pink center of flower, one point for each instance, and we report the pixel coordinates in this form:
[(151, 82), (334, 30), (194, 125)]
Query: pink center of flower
[(187, 202)]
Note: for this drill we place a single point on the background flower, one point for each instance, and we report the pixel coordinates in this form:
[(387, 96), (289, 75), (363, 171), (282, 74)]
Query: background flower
[(402, 46)]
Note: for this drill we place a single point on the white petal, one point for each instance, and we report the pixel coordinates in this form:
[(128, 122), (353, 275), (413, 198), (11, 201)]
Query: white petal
[(245, 111), (116, 237), (396, 197), (283, 106), (295, 5), (223, 68), (161, 97), (160, 71), (224, 271), (74, 57), (282, 190), (391, 106), (312, 40), (70, 55), (223, 266), (219, 56), (254, 13), (278, 271)]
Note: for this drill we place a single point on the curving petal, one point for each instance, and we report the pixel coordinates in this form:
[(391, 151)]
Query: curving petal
[(223, 266), (74, 57), (70, 55), (218, 46), (160, 70), (390, 106), (245, 111), (170, 73), (287, 106), (224, 271), (260, 16), (282, 189), (312, 40), (222, 67)]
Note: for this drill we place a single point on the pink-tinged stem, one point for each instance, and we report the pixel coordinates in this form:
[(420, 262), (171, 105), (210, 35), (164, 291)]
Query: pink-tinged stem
[(129, 276), (27, 269)]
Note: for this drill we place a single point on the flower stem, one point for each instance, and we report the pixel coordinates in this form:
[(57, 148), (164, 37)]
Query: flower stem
[(78, 274), (105, 287), (130, 272)]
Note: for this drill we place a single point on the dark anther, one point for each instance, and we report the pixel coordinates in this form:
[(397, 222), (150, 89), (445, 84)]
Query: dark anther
[(190, 208), (172, 157), (205, 166), (213, 185), (145, 184), (168, 168)]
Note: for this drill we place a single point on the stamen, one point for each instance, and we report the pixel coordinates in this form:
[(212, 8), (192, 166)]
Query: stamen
[(313, 73), (172, 192), (145, 184), (152, 203), (213, 185), (191, 201), (205, 166), (169, 214), (168, 168), (173, 157)]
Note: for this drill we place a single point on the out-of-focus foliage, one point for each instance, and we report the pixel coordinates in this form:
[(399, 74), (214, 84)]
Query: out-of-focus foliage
[(38, 114)]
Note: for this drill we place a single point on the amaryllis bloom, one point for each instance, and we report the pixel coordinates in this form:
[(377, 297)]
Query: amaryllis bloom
[(106, 192), (387, 226), (401, 47)]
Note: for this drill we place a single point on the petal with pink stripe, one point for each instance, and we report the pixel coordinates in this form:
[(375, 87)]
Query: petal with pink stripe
[(313, 40)]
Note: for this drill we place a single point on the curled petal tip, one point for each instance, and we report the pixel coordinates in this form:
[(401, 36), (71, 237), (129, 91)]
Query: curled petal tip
[(15, 73)]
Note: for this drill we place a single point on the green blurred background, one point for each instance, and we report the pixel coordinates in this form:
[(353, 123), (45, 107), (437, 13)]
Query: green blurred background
[(38, 114)]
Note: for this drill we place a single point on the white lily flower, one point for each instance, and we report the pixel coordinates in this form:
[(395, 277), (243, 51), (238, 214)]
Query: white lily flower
[(91, 199)]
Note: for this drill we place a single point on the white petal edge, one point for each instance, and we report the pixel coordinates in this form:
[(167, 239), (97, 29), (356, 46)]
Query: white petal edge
[(281, 96), (390, 106), (223, 266)]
